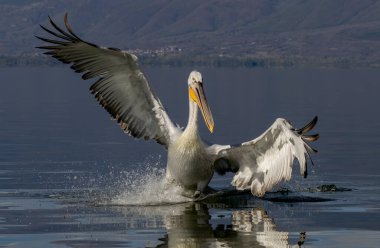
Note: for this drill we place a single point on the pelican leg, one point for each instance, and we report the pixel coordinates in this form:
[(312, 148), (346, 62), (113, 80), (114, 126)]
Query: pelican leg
[(202, 189), (201, 194)]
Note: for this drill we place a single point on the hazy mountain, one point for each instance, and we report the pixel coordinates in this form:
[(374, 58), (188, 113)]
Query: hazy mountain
[(307, 30)]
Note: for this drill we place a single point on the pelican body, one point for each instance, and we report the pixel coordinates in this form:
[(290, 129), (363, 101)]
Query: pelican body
[(189, 163), (122, 89)]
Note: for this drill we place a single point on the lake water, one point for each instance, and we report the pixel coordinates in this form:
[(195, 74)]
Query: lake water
[(69, 177)]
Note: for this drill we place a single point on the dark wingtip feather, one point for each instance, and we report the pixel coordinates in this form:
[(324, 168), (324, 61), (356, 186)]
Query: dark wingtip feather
[(310, 138), (68, 27), (305, 172), (54, 33), (44, 47), (114, 49), (308, 126), (52, 41), (309, 149), (39, 37), (60, 30)]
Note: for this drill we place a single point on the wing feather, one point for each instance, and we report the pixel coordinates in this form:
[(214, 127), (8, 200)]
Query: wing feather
[(121, 88), (262, 163)]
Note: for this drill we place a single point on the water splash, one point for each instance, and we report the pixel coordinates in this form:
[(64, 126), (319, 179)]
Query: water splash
[(147, 186)]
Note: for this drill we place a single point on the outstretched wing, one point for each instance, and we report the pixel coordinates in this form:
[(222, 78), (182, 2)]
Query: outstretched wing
[(121, 88), (262, 163)]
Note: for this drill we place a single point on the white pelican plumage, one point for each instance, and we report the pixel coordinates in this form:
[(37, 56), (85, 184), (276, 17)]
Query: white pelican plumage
[(124, 92)]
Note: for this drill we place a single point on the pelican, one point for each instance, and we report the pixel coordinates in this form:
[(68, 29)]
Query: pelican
[(122, 89)]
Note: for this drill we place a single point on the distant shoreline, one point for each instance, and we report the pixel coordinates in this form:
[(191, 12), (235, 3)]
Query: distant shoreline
[(36, 60)]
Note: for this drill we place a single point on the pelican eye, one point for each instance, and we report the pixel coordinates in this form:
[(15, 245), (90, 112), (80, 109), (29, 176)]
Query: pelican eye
[(196, 81)]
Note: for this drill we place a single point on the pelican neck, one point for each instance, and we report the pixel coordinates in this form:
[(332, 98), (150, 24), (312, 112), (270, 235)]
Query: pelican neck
[(192, 124)]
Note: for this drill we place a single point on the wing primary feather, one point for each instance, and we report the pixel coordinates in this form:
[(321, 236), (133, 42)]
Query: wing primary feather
[(114, 49), (309, 156), (310, 138), (63, 43), (308, 126), (68, 27), (55, 34), (309, 148), (49, 47), (60, 30), (305, 172)]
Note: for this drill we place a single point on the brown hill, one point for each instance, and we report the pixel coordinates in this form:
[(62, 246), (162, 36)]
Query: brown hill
[(343, 31)]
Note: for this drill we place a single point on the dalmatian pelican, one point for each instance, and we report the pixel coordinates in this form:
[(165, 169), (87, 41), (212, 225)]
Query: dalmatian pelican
[(122, 89)]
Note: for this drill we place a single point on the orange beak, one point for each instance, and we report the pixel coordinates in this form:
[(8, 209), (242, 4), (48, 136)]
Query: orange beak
[(197, 95)]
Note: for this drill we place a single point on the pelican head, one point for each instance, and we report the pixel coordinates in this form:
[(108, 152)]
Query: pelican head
[(197, 95)]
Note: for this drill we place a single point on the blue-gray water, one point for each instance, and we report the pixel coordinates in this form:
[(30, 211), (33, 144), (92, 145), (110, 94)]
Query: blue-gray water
[(64, 163)]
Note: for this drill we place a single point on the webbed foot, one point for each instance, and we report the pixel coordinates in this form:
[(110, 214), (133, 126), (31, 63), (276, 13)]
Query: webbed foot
[(198, 195)]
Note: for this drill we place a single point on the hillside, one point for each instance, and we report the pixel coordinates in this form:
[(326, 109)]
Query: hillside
[(279, 32)]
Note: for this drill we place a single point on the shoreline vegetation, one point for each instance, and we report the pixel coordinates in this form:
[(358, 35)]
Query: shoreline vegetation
[(208, 61)]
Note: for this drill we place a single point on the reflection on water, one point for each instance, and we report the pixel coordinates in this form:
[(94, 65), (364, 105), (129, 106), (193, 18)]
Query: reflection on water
[(192, 225)]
